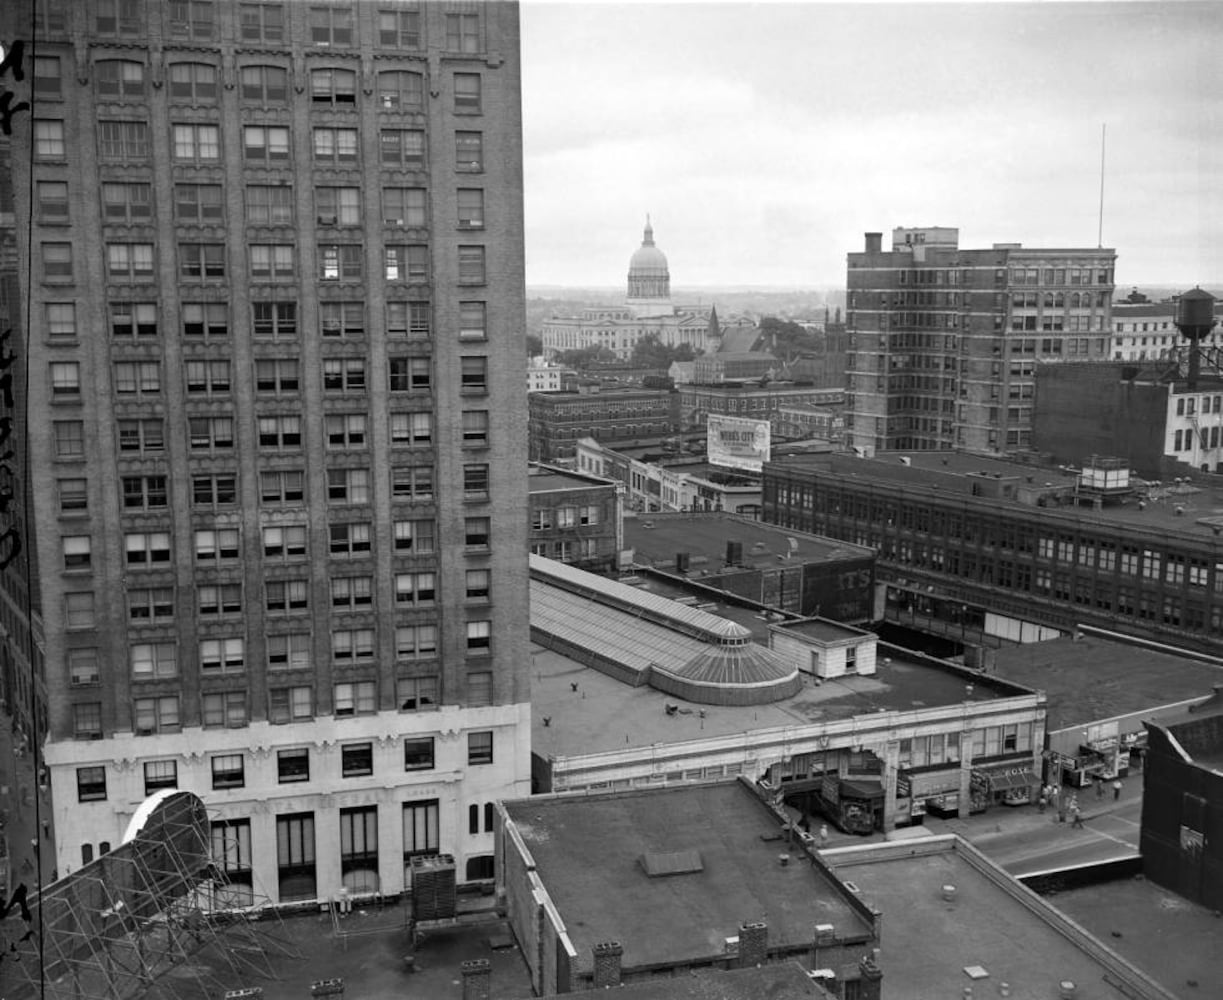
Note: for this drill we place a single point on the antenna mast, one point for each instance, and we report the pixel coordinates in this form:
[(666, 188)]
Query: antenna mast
[(1100, 231)]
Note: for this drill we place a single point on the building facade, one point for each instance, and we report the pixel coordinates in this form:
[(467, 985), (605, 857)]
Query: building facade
[(1146, 331), (1017, 553), (943, 342), (277, 306), (764, 402), (575, 518), (558, 420)]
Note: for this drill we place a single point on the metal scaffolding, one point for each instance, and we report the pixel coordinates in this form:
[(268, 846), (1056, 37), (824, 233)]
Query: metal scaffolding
[(156, 917)]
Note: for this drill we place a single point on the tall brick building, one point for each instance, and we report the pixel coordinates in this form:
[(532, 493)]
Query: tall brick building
[(943, 342), (277, 300)]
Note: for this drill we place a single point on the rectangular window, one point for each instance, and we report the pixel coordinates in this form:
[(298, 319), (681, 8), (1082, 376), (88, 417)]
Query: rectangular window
[(195, 83), (413, 642), (272, 262), (415, 589), (471, 265), (349, 539), (78, 609), (352, 592), (292, 704), (280, 432), (400, 206), (119, 79), (83, 667), (359, 847), (159, 774), (339, 261), (265, 144), (413, 374), (473, 374), (219, 599), (472, 321), (155, 715), (399, 90), (479, 636), (207, 378), (336, 87), (228, 771), (331, 26), (420, 828), (345, 430), (357, 760), (282, 487), (402, 148), (289, 652), (416, 537), (292, 765), (286, 595), (411, 482), (479, 582), (146, 605), (141, 435), (467, 93), (48, 78), (479, 748), (344, 375), (338, 206), (269, 205), (49, 139), (87, 720), (416, 694), (144, 492), (118, 140), (137, 378), (224, 708), (412, 428), (463, 32), (475, 428), (90, 784), (275, 320), (129, 261), (262, 22), (471, 208), (191, 19), (73, 494), (406, 262), (199, 261), (399, 29), (209, 320), (335, 145), (61, 320), (288, 542), (418, 754), (265, 85), (147, 548), (277, 375), (57, 263), (231, 853), (351, 645), (216, 544), (52, 201), (195, 143), (133, 320), (469, 152), (479, 688), (295, 856), (355, 699), (214, 490), (348, 485), (342, 319), (223, 655), (475, 487)]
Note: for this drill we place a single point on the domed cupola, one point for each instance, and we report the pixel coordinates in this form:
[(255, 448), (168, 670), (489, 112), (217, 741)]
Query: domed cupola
[(649, 281)]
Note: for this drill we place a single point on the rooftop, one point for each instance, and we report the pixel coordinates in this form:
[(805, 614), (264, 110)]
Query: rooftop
[(948, 472), (991, 922), (587, 851), (545, 478), (765, 546), (1092, 678), (823, 629), (785, 981)]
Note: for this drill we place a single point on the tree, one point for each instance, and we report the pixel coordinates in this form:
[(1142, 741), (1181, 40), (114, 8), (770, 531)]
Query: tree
[(786, 339), (535, 346), (586, 357), (649, 352)]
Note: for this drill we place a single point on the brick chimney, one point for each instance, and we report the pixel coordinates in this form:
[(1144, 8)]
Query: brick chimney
[(753, 944), (477, 976), (871, 981), (607, 964)]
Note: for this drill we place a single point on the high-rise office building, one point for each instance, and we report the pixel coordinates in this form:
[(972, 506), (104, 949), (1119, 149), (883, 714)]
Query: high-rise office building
[(943, 342), (278, 426)]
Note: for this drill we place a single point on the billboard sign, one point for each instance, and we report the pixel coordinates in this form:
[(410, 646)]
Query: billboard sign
[(737, 443)]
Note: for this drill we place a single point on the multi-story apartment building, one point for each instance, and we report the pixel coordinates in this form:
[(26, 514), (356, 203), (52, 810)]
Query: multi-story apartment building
[(1146, 331), (943, 342), (758, 402), (559, 419), (277, 301), (576, 518)]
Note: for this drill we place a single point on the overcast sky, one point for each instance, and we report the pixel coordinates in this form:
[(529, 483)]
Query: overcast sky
[(764, 139)]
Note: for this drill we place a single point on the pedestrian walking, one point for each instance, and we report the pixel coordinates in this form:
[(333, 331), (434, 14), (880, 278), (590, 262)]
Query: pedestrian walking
[(1043, 801), (1099, 788), (823, 835), (1076, 815), (1116, 789)]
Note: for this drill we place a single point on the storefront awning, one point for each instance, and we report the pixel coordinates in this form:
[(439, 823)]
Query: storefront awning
[(1001, 781)]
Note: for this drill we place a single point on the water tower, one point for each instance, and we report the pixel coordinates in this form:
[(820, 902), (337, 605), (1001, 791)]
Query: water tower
[(1195, 319)]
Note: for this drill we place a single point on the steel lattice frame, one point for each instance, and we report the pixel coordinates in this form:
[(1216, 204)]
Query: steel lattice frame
[(155, 917)]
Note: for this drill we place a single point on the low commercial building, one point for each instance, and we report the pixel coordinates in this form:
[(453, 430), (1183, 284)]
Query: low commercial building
[(758, 402), (1102, 690), (729, 366), (633, 690), (575, 518), (785, 570), (1182, 805), (998, 551)]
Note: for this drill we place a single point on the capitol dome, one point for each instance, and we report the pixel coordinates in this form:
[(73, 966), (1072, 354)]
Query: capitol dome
[(649, 281)]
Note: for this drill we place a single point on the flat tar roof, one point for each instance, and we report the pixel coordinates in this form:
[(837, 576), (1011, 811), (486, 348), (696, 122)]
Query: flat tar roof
[(587, 851), (590, 712), (765, 546), (928, 942), (784, 981), (1093, 678), (544, 480), (1200, 507)]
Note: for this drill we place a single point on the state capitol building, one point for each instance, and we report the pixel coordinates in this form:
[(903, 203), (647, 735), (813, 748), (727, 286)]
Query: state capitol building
[(647, 311)]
